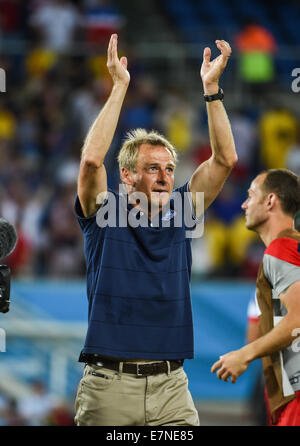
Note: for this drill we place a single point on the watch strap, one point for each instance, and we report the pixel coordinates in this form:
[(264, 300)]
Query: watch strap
[(214, 97)]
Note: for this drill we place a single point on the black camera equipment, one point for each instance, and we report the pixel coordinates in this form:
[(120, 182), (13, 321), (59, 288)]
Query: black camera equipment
[(8, 241)]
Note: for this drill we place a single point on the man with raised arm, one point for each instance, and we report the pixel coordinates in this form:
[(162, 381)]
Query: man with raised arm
[(138, 275)]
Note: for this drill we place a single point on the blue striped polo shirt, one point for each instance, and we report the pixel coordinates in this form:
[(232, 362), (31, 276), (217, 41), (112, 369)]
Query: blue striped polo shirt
[(138, 285)]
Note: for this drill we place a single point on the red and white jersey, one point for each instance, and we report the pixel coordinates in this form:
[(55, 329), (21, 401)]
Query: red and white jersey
[(281, 264)]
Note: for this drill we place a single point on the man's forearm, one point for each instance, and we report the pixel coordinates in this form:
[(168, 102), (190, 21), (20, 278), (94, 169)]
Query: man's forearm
[(221, 138), (280, 337), (101, 133)]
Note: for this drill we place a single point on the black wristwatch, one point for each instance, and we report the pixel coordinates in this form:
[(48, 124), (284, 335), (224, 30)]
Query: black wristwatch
[(214, 97)]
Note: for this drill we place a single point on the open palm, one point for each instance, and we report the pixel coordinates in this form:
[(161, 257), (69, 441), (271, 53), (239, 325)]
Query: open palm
[(116, 67), (211, 70)]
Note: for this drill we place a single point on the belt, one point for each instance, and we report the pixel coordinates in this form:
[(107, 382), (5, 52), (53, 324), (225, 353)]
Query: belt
[(138, 369)]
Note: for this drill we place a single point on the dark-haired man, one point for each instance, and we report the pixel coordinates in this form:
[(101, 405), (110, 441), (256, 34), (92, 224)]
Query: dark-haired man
[(272, 203)]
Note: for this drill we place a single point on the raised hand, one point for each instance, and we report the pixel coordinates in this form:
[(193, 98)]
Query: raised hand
[(117, 67), (211, 70)]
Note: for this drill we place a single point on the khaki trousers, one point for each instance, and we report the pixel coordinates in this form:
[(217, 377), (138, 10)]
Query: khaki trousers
[(109, 398)]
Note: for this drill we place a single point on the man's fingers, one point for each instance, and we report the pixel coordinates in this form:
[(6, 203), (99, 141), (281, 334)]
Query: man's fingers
[(112, 53), (115, 46), (228, 47), (224, 47), (216, 365), (109, 49), (224, 375), (221, 372), (124, 62), (206, 54)]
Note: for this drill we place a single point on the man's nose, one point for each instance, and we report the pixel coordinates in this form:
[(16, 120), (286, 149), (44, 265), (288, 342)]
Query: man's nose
[(161, 178)]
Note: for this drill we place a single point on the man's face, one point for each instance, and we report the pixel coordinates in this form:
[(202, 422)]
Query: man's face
[(255, 206), (154, 174)]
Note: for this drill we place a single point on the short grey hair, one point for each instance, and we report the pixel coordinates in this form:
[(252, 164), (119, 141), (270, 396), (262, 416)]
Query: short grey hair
[(129, 151)]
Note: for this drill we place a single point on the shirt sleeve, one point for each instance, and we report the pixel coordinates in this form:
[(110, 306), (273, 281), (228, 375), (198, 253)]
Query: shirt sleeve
[(281, 263), (87, 224)]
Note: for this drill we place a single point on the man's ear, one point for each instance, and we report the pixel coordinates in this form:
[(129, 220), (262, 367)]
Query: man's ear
[(271, 200), (127, 176)]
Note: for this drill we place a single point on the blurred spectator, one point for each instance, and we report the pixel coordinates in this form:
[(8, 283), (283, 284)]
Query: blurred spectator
[(140, 105), (2, 409), (202, 151), (85, 104), (60, 415), (39, 408), (210, 250), (28, 133), (278, 131), (97, 66), (251, 262), (293, 158), (230, 249), (215, 238), (63, 245), (7, 122), (39, 61), (256, 46), (55, 23), (246, 138), (202, 261), (228, 203), (10, 415), (12, 18), (176, 117), (102, 18), (35, 408), (178, 131)]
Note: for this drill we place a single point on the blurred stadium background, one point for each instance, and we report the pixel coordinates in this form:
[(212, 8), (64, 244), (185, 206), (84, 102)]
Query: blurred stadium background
[(54, 56)]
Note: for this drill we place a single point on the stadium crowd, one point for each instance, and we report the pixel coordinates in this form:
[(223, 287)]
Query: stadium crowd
[(56, 85), (38, 408)]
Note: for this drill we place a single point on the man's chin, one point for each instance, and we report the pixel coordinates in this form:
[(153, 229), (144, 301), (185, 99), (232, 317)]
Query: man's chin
[(251, 226)]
